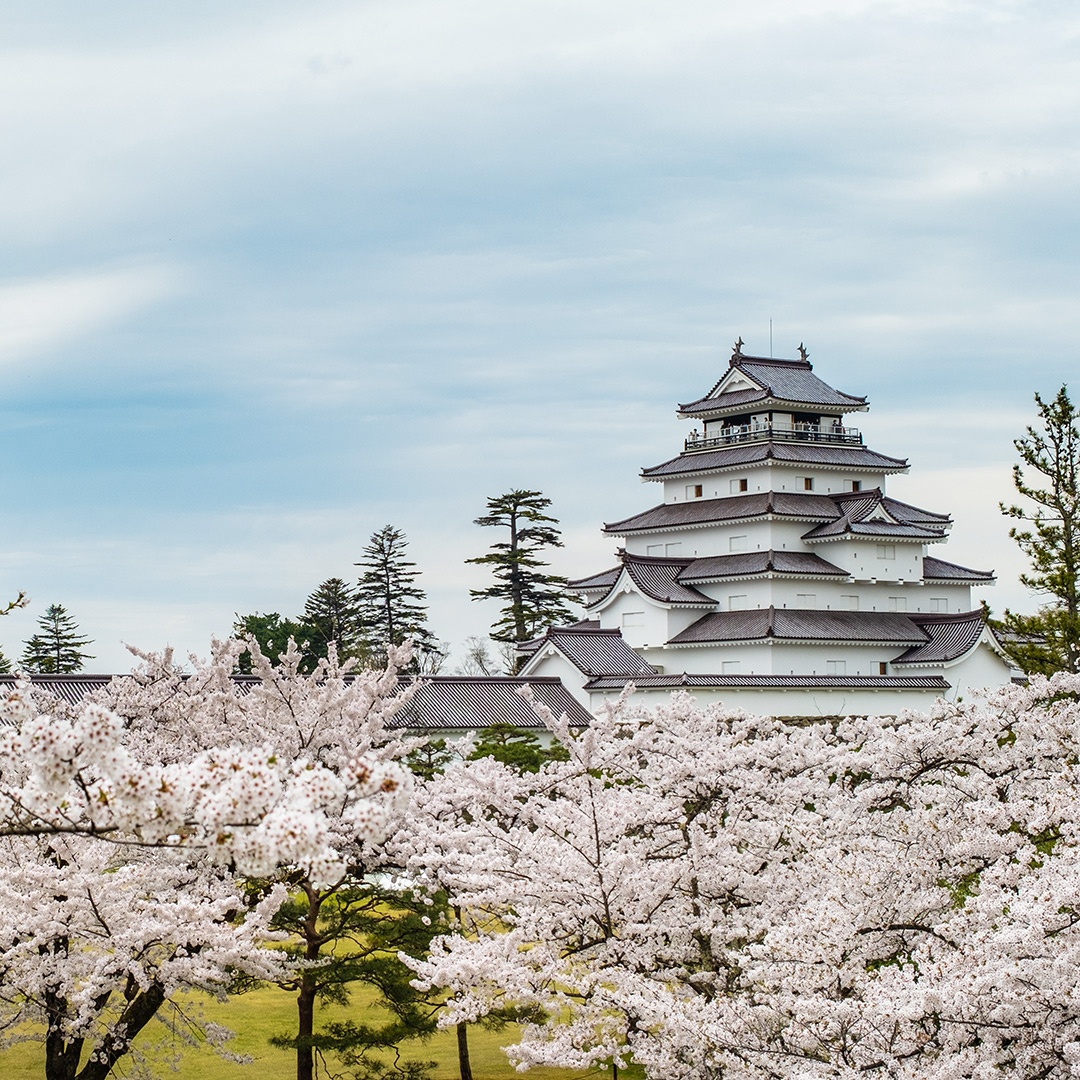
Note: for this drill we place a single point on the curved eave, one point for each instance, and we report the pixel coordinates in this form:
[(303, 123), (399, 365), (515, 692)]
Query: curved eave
[(766, 575), (696, 410), (613, 531), (876, 538), (620, 588), (959, 581), (770, 640)]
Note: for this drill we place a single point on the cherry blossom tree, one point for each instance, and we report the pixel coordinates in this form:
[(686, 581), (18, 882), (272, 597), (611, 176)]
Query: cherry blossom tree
[(712, 894), (125, 823)]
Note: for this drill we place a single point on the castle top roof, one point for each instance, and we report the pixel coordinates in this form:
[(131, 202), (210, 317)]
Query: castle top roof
[(753, 379)]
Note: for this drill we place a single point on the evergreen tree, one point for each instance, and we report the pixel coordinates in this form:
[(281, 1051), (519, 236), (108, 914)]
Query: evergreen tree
[(56, 649), (531, 598), (333, 614), (272, 632), (1049, 641), (5, 663), (391, 602)]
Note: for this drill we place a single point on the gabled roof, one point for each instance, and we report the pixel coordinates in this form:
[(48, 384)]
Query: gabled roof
[(441, 702), (808, 507), (746, 563), (874, 515), (658, 579), (781, 453), (757, 624), (790, 381), (951, 636), (594, 652), (779, 682), (940, 570)]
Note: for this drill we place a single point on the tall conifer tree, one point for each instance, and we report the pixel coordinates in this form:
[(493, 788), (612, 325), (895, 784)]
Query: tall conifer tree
[(334, 614), (391, 602), (57, 647), (1049, 641), (532, 599)]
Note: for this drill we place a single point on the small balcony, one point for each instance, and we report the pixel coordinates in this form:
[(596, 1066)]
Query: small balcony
[(798, 432)]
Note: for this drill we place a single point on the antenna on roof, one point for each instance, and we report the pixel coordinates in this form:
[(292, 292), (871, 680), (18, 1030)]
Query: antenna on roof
[(770, 339)]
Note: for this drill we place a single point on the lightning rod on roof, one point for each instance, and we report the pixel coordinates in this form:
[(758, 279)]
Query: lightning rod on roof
[(770, 339)]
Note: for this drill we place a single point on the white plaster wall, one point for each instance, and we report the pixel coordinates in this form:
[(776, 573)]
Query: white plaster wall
[(555, 664), (862, 560), (774, 659), (832, 596), (620, 614)]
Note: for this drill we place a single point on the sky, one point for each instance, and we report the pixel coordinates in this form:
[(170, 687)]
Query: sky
[(275, 275)]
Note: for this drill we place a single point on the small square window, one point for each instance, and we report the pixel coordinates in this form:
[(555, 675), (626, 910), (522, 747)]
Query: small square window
[(856, 485), (738, 543), (836, 667), (738, 603), (898, 603), (729, 667), (883, 669), (633, 618), (694, 491), (808, 483), (886, 551)]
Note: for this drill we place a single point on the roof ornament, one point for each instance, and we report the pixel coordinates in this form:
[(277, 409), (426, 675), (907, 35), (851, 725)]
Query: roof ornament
[(736, 352), (802, 352)]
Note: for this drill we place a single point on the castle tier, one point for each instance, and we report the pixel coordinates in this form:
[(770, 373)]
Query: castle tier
[(777, 574)]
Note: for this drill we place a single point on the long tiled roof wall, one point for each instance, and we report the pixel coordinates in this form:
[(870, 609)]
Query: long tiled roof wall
[(755, 624), (950, 637), (940, 570), (445, 702), (783, 380), (730, 457), (598, 652), (759, 562), (782, 682)]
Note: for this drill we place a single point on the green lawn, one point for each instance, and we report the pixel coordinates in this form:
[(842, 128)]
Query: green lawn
[(258, 1015)]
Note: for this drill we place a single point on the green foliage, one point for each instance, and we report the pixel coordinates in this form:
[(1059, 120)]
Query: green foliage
[(1049, 641), (392, 604), (334, 615), (5, 663), (272, 632), (355, 931), (516, 747), (429, 758), (532, 599), (57, 648)]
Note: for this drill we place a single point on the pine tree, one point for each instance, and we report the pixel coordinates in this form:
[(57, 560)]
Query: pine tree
[(1049, 641), (272, 632), (56, 649), (334, 614), (5, 663), (391, 602), (532, 599)]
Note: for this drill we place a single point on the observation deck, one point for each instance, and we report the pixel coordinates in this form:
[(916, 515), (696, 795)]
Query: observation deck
[(797, 432)]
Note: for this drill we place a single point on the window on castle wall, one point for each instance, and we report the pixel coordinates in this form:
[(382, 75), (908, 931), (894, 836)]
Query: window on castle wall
[(883, 669), (886, 551), (738, 543), (729, 667), (738, 603), (856, 485), (633, 618), (808, 483), (672, 549), (835, 667), (806, 600), (898, 603), (742, 484), (939, 603), (654, 549), (694, 491), (850, 602)]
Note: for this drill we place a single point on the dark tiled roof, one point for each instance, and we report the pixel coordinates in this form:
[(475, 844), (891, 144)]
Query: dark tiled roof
[(604, 580), (456, 702), (950, 637), (448, 702), (790, 624), (659, 579), (732, 457), (759, 562), (598, 652), (872, 514), (780, 682), (782, 380), (939, 569), (706, 511)]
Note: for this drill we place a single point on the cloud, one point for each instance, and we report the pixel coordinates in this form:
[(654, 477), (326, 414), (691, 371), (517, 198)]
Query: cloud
[(38, 315)]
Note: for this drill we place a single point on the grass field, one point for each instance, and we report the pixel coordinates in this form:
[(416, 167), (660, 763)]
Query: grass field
[(261, 1013)]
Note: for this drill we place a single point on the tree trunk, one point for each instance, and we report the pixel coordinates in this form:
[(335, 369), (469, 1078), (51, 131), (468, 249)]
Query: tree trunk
[(305, 1000), (463, 1051), (61, 1056)]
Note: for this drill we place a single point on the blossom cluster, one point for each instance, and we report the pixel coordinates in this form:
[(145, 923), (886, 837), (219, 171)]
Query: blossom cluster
[(713, 894)]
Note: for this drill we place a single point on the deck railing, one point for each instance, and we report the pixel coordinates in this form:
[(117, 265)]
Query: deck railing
[(800, 432)]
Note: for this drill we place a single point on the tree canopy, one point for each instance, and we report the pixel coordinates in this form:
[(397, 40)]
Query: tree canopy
[(57, 647), (532, 599), (1049, 535)]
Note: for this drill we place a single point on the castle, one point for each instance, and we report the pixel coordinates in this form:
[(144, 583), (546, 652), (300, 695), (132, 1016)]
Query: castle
[(776, 574)]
